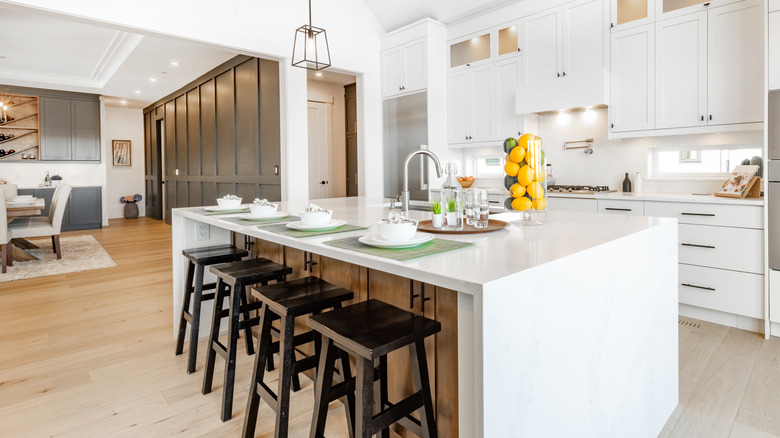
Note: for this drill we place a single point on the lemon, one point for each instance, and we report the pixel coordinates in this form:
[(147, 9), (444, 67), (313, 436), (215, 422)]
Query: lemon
[(517, 190), (526, 140), (539, 174), (539, 204), (511, 168), (517, 154), (536, 190), (521, 204), (525, 175)]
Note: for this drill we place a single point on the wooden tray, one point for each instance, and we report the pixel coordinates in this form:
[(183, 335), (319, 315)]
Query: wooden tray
[(493, 225)]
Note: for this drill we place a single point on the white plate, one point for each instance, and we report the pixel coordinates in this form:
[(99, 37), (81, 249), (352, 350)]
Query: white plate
[(275, 215), (218, 208), (298, 225), (377, 241), (20, 202)]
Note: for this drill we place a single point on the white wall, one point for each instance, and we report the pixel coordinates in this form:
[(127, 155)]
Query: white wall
[(267, 29), (124, 124), (334, 93)]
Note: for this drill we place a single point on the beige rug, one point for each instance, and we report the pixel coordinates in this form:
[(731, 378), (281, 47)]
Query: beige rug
[(79, 253)]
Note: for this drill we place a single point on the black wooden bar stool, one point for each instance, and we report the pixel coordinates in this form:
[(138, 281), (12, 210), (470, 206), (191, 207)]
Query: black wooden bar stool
[(369, 330), (287, 301), (233, 279), (198, 259)]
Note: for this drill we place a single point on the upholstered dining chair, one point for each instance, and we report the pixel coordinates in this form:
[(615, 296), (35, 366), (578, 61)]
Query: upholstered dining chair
[(45, 226), (10, 190), (6, 258)]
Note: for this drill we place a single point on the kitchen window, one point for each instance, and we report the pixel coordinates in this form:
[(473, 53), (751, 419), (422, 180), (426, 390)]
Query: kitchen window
[(697, 163)]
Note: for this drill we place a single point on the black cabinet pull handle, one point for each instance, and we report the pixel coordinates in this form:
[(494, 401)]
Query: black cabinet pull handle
[(564, 73), (697, 287), (421, 295), (559, 75), (612, 125), (710, 116), (702, 118), (617, 209), (706, 4), (698, 214), (698, 246)]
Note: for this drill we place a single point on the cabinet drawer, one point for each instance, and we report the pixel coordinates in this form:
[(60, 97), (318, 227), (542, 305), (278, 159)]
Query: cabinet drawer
[(745, 216), (572, 204), (727, 291), (632, 208), (737, 249)]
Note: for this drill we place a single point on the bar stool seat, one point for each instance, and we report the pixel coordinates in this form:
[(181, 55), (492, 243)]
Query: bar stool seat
[(233, 279), (198, 259), (287, 300), (370, 330)]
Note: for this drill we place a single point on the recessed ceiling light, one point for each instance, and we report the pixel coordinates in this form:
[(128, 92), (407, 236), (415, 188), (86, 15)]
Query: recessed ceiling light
[(137, 91), (123, 102), (318, 74), (175, 63), (152, 79)]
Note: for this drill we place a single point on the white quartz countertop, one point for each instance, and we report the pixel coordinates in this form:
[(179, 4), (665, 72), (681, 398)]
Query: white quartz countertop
[(494, 255), (664, 197)]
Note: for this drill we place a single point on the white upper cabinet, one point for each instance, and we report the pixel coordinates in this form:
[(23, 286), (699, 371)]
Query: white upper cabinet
[(681, 71), (470, 105), (583, 37), (736, 63), (633, 79), (457, 107), (481, 85), (509, 40), (470, 51), (542, 45), (774, 50), (630, 13), (404, 69), (665, 9), (507, 78)]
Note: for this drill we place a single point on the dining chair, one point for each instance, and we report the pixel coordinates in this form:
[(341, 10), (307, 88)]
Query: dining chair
[(42, 225), (5, 236), (10, 190)]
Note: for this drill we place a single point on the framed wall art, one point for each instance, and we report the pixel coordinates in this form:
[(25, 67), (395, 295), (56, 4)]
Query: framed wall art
[(121, 152)]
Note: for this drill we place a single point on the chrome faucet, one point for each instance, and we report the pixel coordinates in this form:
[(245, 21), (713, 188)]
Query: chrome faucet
[(405, 191)]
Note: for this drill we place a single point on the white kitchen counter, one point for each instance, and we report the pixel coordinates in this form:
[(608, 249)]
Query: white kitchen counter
[(664, 197), (564, 329)]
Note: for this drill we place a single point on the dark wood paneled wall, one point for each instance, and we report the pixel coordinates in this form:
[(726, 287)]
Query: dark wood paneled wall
[(222, 134)]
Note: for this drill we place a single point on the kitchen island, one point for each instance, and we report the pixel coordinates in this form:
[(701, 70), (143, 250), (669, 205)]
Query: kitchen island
[(563, 329)]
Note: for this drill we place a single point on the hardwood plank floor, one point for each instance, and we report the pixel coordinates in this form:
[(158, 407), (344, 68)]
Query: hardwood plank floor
[(90, 354)]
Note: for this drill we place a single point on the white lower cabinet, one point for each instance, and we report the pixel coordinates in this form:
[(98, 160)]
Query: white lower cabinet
[(727, 291), (631, 208), (737, 249), (572, 204)]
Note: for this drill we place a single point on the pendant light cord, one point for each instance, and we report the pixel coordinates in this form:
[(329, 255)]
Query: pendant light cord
[(309, 15)]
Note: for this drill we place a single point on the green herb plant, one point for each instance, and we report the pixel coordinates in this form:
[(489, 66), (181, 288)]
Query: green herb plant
[(436, 206), (452, 205)]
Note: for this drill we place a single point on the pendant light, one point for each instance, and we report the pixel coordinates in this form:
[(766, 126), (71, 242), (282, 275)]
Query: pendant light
[(310, 49)]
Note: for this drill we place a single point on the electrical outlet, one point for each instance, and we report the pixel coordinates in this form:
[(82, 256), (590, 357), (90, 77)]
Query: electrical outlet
[(202, 231)]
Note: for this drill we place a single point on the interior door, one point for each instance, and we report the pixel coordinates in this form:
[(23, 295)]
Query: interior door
[(320, 115)]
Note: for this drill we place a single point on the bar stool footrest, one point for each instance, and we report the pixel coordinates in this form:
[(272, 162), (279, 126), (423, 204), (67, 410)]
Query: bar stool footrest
[(400, 413)]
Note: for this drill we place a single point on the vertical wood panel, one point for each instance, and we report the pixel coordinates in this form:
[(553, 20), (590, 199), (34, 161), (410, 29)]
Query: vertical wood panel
[(270, 131), (195, 195), (208, 129), (193, 133), (181, 194), (248, 192), (272, 192), (170, 158), (148, 151), (209, 193), (226, 189), (226, 152), (181, 134), (247, 119)]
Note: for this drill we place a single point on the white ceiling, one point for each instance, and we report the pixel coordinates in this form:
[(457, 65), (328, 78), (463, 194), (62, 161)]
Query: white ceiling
[(395, 14)]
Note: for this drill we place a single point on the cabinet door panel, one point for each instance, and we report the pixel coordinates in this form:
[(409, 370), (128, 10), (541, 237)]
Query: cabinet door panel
[(736, 64), (481, 103), (507, 80), (456, 107), (774, 50), (391, 72), (414, 61), (633, 79), (583, 36), (55, 129), (681, 71), (542, 45), (85, 118)]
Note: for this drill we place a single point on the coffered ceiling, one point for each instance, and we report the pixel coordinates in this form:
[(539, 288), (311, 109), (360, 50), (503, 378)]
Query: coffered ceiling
[(395, 14)]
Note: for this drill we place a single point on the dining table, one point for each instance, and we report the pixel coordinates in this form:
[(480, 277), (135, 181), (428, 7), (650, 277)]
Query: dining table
[(16, 210)]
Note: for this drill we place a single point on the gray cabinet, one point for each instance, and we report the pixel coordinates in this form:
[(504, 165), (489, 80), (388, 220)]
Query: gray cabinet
[(84, 210), (70, 129)]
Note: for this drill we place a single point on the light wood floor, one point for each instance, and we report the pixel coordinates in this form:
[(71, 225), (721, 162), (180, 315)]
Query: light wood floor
[(90, 354)]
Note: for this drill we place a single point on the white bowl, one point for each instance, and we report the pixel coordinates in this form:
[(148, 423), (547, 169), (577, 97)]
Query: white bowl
[(396, 232), (229, 203), (318, 218), (263, 210)]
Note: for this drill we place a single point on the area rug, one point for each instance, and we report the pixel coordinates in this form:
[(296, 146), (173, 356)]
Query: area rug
[(79, 253)]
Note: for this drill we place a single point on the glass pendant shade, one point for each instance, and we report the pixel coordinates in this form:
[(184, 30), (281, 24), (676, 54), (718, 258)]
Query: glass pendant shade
[(310, 49)]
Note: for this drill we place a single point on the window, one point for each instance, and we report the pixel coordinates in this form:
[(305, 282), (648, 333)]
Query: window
[(489, 166), (713, 162)]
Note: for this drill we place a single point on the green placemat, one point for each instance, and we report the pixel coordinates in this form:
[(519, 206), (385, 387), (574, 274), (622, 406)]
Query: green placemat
[(283, 229), (435, 246), (247, 222), (205, 212)]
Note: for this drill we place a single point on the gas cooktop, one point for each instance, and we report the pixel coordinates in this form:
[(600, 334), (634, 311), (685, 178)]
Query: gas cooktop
[(579, 190)]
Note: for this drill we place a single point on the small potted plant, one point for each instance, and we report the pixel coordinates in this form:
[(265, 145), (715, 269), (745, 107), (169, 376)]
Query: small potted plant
[(131, 208), (452, 212), (55, 180), (436, 213)]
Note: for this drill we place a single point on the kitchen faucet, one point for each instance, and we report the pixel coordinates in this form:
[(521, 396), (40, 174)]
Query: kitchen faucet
[(405, 191)]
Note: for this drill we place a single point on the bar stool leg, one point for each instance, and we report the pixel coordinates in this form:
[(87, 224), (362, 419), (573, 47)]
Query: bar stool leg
[(195, 314), (184, 309), (422, 384), (285, 376), (365, 395), (232, 345), (263, 349), (381, 398), (216, 319), (250, 349), (349, 399), (322, 389)]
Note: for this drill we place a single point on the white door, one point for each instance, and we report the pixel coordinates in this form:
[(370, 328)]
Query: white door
[(320, 139), (457, 107), (633, 79), (774, 50), (681, 71), (583, 37), (481, 103), (414, 66), (542, 46), (736, 63), (391, 71), (507, 75)]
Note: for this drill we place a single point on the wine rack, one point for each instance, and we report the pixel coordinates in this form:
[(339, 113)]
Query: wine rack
[(20, 134)]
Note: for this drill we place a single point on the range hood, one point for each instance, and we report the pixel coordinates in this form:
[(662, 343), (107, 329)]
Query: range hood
[(587, 90)]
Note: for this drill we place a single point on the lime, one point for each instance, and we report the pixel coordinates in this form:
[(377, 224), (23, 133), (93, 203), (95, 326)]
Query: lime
[(509, 144)]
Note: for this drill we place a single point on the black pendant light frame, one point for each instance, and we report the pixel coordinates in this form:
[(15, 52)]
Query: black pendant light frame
[(308, 31)]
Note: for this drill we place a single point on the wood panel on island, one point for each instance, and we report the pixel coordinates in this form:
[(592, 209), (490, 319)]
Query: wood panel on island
[(19, 126)]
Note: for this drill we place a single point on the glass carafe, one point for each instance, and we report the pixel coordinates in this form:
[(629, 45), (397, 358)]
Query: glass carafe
[(451, 200)]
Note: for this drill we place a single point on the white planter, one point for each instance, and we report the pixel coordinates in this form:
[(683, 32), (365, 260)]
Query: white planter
[(452, 219), (436, 220)]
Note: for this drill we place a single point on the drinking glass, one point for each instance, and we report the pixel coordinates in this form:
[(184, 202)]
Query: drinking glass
[(469, 203), (482, 209)]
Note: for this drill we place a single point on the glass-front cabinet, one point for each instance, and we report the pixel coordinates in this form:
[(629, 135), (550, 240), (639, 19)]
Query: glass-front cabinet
[(509, 42), (665, 9), (629, 13), (470, 50)]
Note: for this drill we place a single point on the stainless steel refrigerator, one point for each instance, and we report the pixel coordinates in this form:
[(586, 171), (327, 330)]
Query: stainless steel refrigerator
[(772, 176), (405, 130)]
